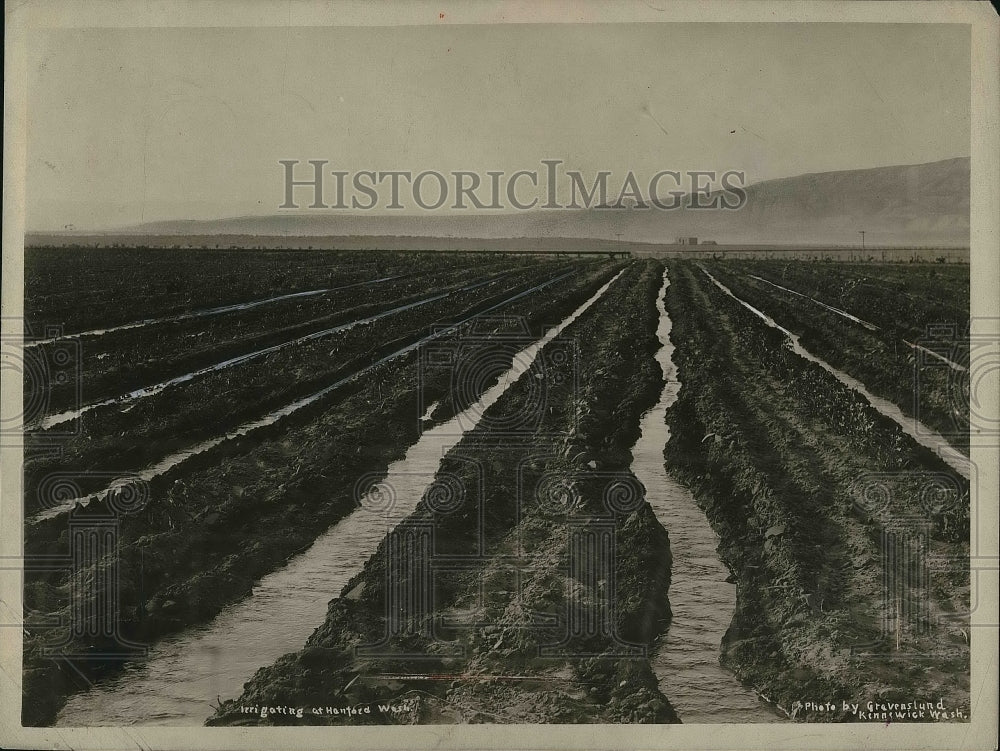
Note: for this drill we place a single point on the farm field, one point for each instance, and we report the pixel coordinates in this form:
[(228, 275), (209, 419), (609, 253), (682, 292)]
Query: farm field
[(810, 491), (249, 407), (902, 330), (176, 408)]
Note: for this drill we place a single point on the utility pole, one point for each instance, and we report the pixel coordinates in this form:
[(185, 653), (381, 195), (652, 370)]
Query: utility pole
[(862, 233)]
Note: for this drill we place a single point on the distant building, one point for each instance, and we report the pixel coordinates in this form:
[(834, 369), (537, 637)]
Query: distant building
[(687, 240)]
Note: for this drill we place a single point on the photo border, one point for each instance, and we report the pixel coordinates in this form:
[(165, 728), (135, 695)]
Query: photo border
[(22, 17)]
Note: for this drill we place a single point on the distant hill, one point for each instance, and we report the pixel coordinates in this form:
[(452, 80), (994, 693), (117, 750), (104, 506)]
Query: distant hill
[(903, 204), (920, 205)]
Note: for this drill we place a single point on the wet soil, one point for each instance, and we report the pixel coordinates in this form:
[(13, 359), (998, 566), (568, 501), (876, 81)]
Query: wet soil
[(529, 622)]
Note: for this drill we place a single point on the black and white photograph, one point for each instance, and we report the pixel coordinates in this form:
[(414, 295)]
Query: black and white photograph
[(622, 374)]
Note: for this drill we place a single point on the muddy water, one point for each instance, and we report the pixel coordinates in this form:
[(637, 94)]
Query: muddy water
[(687, 660), (870, 326), (147, 391), (185, 673), (207, 312), (57, 419), (171, 461), (918, 431), (838, 311)]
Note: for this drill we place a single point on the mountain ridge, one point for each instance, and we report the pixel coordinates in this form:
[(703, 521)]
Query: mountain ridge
[(921, 204)]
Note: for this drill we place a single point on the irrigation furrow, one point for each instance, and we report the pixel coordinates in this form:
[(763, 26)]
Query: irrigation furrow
[(838, 311), (702, 601), (57, 419), (176, 683), (919, 432), (519, 632), (207, 312), (120, 400), (937, 356), (870, 326), (180, 456)]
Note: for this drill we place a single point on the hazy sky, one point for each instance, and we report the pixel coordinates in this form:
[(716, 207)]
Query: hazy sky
[(132, 125)]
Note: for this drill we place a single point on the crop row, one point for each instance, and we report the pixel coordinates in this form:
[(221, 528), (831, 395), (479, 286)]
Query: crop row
[(217, 522), (561, 563), (802, 481), (129, 437), (86, 289), (119, 361), (904, 300), (82, 290), (923, 387)]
